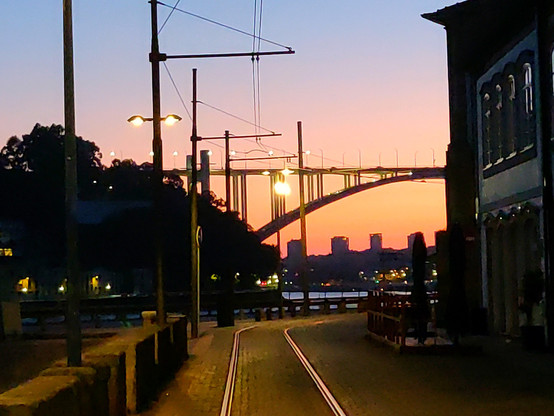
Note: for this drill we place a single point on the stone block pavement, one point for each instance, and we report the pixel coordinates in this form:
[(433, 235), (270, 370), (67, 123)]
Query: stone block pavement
[(199, 385)]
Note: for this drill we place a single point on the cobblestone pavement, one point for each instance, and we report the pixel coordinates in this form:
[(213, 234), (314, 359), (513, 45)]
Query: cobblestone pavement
[(366, 378)]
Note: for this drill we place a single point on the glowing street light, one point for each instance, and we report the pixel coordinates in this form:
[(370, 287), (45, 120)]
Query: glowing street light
[(286, 171), (169, 120), (282, 188), (156, 154)]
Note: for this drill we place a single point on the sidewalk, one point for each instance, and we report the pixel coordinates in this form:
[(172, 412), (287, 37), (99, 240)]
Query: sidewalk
[(198, 386)]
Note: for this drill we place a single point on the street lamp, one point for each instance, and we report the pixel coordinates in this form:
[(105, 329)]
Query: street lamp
[(282, 188), (158, 189), (169, 120)]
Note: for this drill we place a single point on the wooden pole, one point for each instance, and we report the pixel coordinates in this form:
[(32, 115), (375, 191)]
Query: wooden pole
[(70, 150)]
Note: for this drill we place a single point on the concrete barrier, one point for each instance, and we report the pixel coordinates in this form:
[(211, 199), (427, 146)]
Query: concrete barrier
[(118, 377), (91, 389), (42, 396)]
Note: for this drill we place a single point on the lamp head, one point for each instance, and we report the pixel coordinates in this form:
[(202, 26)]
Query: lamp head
[(136, 120)]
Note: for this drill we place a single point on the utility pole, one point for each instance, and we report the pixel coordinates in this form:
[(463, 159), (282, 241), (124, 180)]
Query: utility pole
[(70, 151), (227, 174), (157, 165), (194, 258), (304, 266)]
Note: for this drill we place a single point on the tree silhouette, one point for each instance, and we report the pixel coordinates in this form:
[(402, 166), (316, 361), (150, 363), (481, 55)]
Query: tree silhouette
[(32, 178)]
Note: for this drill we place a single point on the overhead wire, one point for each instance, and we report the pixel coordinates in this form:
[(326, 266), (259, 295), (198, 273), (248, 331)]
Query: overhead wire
[(225, 26), (168, 16), (177, 90)]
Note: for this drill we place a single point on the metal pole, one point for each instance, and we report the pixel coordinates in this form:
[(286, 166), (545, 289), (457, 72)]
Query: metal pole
[(281, 284), (227, 173), (303, 268), (70, 150), (194, 246), (545, 81), (157, 164)]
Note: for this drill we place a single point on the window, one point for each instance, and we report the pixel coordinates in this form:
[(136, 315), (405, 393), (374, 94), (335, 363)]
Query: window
[(486, 130), (512, 87), (528, 88), (6, 252), (552, 69)]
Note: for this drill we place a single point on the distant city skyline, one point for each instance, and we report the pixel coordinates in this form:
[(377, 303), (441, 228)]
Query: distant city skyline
[(348, 82)]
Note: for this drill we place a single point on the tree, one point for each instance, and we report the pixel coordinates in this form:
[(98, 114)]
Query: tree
[(33, 180)]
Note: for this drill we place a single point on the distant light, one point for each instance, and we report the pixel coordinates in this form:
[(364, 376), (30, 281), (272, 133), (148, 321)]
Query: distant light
[(108, 287), (210, 153), (233, 153), (171, 119), (61, 289), (258, 282), (136, 120), (110, 187), (175, 153), (307, 152), (112, 153), (24, 290), (410, 173), (94, 181), (286, 171), (265, 172), (151, 153), (270, 153), (282, 188)]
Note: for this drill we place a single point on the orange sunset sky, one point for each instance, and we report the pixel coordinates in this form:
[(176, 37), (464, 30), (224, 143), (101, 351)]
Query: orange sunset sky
[(368, 79)]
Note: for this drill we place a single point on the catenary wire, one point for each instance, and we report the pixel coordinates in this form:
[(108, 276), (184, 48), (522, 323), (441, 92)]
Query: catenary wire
[(168, 16), (225, 26), (177, 90)]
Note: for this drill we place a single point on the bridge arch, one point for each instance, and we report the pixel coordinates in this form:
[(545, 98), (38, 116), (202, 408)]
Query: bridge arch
[(272, 227)]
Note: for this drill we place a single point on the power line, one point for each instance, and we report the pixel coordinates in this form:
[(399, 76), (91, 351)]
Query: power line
[(168, 16), (225, 26), (177, 90), (234, 116)]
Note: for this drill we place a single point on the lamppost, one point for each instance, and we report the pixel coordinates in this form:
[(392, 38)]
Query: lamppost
[(321, 151), (433, 150), (156, 153), (396, 151)]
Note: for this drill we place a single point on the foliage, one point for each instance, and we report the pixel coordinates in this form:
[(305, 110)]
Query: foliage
[(32, 175)]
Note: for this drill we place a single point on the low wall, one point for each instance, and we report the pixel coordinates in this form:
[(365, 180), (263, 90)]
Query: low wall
[(121, 376)]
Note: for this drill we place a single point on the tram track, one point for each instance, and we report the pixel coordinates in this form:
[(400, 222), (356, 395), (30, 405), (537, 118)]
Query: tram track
[(227, 402)]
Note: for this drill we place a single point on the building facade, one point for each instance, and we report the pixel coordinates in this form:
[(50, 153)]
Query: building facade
[(499, 165)]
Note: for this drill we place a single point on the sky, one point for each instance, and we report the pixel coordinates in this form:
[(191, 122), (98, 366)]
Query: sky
[(368, 81)]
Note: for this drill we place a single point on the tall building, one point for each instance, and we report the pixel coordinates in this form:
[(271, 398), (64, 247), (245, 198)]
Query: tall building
[(339, 245), (376, 242), (499, 165), (294, 250), (411, 239)]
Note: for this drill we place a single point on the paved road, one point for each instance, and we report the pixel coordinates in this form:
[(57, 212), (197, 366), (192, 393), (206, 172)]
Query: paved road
[(366, 379)]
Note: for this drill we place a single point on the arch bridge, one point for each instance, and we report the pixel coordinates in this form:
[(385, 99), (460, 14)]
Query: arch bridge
[(355, 180)]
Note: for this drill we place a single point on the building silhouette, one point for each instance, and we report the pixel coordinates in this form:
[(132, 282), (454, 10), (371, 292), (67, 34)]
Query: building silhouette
[(376, 242), (498, 170), (340, 245)]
